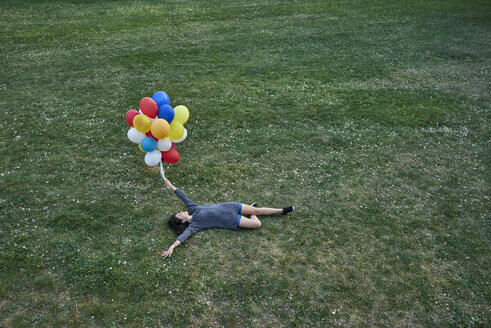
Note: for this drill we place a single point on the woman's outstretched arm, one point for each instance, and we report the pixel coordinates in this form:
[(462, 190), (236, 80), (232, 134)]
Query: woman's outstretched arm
[(190, 205), (168, 252)]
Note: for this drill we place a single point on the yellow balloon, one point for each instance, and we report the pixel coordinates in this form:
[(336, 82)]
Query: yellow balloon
[(142, 123), (181, 114), (140, 147), (176, 130), (160, 128)]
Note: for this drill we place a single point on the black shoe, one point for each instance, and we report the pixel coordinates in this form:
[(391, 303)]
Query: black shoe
[(287, 210), (254, 204)]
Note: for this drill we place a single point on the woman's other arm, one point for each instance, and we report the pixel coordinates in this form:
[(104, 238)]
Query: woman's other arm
[(180, 239), (168, 252)]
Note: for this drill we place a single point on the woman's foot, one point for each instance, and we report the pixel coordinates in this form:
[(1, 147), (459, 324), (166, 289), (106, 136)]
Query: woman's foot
[(287, 210)]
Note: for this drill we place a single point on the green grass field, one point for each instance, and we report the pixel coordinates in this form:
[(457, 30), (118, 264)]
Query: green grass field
[(371, 117)]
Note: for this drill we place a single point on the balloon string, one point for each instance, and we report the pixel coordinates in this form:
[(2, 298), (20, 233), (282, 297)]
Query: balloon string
[(162, 171)]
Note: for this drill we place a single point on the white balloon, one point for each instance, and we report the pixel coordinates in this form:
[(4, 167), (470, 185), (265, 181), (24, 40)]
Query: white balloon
[(164, 144), (184, 135), (135, 136), (153, 158)]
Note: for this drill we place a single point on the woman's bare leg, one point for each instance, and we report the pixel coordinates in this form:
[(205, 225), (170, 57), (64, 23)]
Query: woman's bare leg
[(253, 211), (252, 223)]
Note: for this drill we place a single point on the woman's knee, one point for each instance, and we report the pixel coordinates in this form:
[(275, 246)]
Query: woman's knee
[(257, 223), (256, 211), (250, 210)]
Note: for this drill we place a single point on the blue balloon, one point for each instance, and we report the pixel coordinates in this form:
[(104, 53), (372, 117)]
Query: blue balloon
[(166, 112), (161, 98), (148, 144)]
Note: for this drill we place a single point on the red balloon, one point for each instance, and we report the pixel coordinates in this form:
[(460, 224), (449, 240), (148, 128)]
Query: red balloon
[(130, 115), (149, 134), (149, 107), (171, 156)]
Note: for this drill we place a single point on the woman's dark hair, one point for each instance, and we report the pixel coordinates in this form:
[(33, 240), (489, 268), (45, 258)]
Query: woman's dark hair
[(176, 225)]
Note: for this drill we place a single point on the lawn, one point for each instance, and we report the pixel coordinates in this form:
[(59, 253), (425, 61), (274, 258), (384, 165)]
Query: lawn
[(371, 117)]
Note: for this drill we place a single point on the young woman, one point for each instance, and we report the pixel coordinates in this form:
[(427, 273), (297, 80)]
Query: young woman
[(223, 215)]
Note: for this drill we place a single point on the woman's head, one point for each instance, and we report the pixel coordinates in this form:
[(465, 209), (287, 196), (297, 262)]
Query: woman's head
[(183, 216), (179, 222)]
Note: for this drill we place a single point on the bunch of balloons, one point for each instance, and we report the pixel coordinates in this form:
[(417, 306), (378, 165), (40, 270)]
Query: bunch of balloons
[(157, 127)]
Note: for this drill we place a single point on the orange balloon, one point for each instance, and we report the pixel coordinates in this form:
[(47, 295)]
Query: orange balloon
[(160, 128)]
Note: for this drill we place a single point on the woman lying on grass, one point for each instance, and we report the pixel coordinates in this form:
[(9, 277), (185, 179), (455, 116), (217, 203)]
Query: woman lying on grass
[(224, 215)]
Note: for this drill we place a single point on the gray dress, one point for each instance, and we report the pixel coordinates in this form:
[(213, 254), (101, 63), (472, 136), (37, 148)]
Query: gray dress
[(223, 215)]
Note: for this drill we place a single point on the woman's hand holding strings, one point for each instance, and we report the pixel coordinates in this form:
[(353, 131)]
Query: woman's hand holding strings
[(169, 184)]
